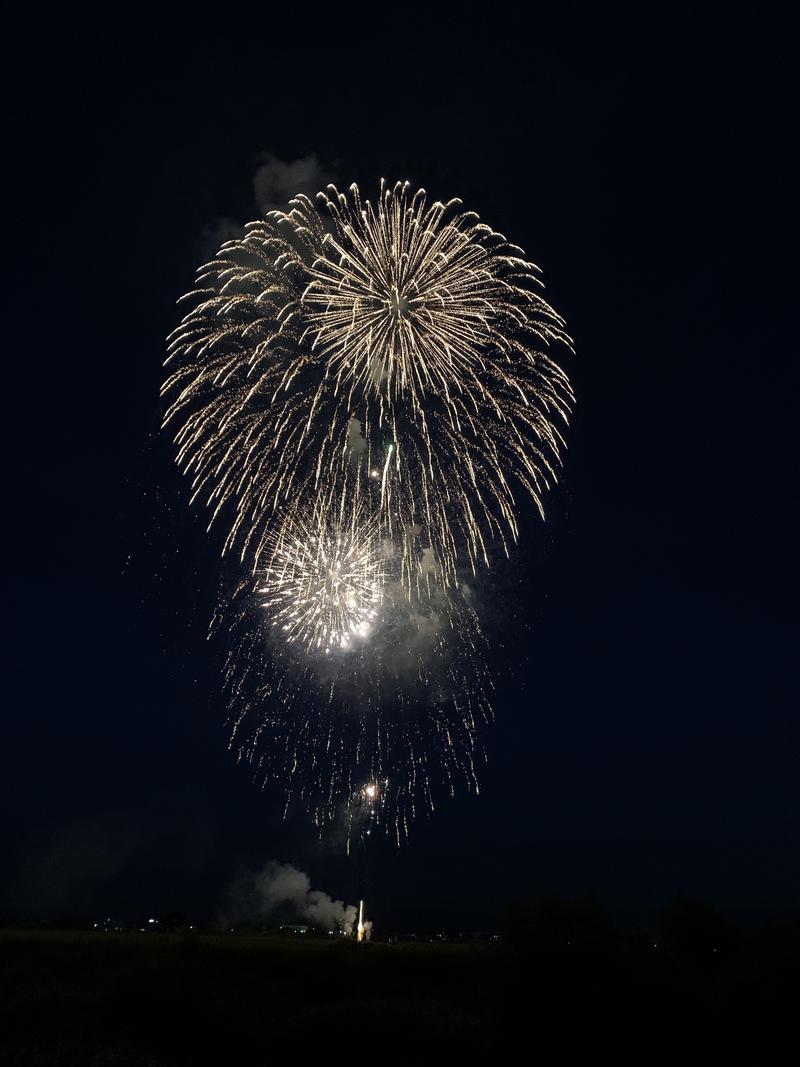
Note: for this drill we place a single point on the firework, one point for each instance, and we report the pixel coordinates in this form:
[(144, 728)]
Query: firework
[(360, 394), (404, 341), (323, 581), (370, 735), (361, 927)]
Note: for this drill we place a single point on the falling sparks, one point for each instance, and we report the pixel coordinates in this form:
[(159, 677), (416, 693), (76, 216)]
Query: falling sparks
[(366, 736)]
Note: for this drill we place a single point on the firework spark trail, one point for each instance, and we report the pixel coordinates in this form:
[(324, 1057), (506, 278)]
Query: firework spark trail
[(420, 322)]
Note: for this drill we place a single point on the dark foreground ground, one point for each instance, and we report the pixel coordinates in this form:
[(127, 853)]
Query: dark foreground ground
[(186, 999)]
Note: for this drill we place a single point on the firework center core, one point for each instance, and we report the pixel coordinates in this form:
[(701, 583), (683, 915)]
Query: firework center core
[(398, 303)]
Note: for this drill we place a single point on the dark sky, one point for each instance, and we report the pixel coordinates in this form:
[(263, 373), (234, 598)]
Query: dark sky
[(645, 661)]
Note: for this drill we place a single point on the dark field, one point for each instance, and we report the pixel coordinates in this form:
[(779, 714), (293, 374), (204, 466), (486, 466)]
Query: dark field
[(181, 999)]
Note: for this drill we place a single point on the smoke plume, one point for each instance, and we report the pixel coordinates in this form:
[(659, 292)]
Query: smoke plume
[(282, 892), (276, 181)]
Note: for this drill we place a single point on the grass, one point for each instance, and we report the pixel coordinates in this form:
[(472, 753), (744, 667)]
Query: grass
[(169, 1000)]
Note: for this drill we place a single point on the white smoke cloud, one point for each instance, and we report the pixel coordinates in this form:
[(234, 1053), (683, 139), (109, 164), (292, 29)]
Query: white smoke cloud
[(282, 892), (356, 441), (427, 563), (215, 234), (276, 181)]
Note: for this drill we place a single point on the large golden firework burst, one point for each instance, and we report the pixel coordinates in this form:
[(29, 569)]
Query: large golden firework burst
[(404, 342)]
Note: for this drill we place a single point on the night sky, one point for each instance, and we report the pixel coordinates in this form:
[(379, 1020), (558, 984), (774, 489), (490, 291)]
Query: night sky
[(644, 639)]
